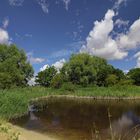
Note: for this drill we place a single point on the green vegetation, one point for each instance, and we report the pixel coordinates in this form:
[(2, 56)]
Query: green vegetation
[(14, 68), (85, 70), (57, 81), (134, 74), (14, 102), (81, 69), (45, 77), (111, 80), (82, 75)]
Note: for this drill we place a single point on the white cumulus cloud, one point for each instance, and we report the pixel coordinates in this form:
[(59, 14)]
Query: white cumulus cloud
[(131, 39), (34, 60), (44, 67), (137, 56), (4, 36), (99, 41), (58, 65)]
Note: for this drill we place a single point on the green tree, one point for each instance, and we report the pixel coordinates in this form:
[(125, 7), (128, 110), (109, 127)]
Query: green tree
[(87, 69), (119, 73), (57, 81), (103, 73), (45, 77), (111, 80), (134, 74), (14, 68), (84, 81)]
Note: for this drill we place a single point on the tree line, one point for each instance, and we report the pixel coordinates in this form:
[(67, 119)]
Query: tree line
[(81, 69)]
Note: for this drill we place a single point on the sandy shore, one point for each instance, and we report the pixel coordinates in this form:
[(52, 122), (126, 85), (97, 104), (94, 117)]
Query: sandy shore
[(25, 134), (31, 135)]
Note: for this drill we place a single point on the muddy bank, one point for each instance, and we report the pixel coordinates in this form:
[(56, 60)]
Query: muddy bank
[(85, 98)]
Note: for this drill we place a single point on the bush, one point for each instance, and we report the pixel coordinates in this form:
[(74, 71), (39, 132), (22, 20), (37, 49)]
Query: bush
[(69, 87), (126, 82), (57, 81), (84, 81), (111, 80)]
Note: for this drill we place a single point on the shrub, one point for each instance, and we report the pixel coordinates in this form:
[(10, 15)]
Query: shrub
[(111, 80), (84, 81), (57, 81), (126, 82), (69, 87)]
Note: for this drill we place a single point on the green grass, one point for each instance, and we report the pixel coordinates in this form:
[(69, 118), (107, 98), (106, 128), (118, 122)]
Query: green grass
[(116, 91), (14, 102)]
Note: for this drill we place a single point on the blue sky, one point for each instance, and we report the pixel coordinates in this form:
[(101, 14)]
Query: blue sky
[(51, 30)]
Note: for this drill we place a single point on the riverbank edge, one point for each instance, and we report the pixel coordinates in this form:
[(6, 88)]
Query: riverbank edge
[(85, 97), (73, 97), (14, 132)]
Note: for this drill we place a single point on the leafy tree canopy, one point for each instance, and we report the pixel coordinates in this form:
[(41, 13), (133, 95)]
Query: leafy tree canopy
[(81, 69), (14, 68), (85, 69), (134, 74), (45, 77)]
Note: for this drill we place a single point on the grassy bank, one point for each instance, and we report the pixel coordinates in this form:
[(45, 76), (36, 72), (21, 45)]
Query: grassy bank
[(14, 102)]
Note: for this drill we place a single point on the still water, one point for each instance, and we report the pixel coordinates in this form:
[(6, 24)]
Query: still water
[(83, 119)]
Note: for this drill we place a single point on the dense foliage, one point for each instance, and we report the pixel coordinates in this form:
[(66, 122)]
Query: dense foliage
[(57, 81), (134, 74), (14, 68), (81, 70), (45, 77), (111, 80), (84, 69)]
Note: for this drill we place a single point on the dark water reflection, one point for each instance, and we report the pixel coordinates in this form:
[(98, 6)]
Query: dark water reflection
[(69, 119)]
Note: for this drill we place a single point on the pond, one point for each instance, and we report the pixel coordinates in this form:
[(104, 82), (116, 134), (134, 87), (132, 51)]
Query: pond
[(84, 119)]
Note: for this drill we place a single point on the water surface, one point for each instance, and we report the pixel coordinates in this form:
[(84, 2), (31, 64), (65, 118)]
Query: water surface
[(79, 119)]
